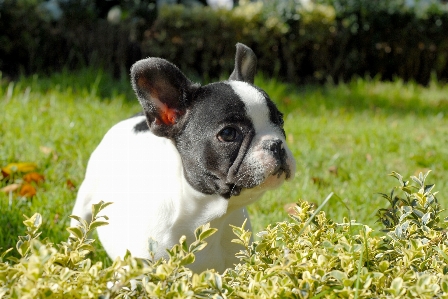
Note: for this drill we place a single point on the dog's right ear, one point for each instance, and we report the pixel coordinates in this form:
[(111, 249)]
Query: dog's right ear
[(245, 64), (164, 93)]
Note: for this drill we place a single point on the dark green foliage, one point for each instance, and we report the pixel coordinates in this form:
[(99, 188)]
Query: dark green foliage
[(331, 39), (334, 39), (35, 39)]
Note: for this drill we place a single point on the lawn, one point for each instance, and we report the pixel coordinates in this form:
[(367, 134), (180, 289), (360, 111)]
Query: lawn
[(346, 139)]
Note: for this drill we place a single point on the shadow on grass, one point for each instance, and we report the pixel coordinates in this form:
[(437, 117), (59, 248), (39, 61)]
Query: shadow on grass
[(360, 95), (396, 97)]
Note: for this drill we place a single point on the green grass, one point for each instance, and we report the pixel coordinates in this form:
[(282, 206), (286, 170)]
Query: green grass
[(345, 139)]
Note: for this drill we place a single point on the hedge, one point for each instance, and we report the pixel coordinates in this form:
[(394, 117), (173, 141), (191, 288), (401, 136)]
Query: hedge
[(328, 40), (309, 256)]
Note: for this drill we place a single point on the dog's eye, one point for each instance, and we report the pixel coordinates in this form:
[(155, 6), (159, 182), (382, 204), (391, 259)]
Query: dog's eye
[(280, 119), (228, 134)]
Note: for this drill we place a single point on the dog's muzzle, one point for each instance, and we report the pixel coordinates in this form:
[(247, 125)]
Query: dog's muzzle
[(277, 150)]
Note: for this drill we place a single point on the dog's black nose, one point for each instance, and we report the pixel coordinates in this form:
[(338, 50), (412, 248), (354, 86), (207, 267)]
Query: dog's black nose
[(276, 148)]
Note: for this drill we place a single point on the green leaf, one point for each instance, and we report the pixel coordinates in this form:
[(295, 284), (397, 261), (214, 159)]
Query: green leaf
[(426, 218), (339, 275), (444, 285), (87, 247), (197, 246), (23, 247), (218, 282), (80, 220), (417, 213), (5, 253), (443, 254), (237, 241), (183, 243), (96, 208), (97, 223), (383, 266), (198, 231), (207, 233), (34, 222), (398, 176), (428, 188), (238, 231), (188, 259), (397, 285), (76, 231)]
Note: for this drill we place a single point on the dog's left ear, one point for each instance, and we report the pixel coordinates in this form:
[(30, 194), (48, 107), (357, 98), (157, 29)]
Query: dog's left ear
[(164, 93), (245, 64)]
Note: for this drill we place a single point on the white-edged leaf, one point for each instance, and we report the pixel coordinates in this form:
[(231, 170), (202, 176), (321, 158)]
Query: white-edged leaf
[(97, 223), (76, 231), (207, 233)]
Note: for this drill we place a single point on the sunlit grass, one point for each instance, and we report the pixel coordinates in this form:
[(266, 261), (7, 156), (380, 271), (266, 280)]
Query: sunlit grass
[(345, 139)]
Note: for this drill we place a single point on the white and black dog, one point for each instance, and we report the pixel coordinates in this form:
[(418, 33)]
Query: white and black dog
[(197, 154)]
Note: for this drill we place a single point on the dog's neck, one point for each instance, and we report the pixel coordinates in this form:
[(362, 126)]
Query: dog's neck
[(196, 208)]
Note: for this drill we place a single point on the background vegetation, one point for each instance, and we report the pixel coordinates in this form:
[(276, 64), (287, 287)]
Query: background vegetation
[(328, 39)]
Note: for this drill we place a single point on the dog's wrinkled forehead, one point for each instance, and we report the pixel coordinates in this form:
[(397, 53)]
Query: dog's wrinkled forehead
[(239, 98), (255, 103)]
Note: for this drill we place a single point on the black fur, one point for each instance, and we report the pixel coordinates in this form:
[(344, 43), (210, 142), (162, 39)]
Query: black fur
[(193, 117)]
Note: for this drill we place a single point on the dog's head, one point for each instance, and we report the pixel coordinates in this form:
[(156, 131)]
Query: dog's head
[(229, 134)]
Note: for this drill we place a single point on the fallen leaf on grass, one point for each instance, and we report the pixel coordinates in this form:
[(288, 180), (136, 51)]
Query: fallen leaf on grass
[(33, 177), (71, 185), (23, 185), (333, 169), (10, 188), (18, 167), (48, 151), (27, 190), (319, 181)]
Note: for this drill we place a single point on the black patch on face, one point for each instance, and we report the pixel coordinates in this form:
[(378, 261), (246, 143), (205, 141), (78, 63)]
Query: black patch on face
[(210, 164)]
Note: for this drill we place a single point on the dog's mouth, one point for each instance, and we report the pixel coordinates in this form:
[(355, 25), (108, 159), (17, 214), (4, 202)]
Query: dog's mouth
[(234, 189), (282, 169)]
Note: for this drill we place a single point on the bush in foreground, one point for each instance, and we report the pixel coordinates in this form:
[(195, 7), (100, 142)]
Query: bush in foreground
[(307, 257)]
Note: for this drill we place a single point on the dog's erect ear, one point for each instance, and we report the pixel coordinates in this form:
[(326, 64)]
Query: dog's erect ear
[(245, 64), (164, 93)]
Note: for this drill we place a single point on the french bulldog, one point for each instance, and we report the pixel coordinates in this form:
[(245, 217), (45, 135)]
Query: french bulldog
[(196, 155)]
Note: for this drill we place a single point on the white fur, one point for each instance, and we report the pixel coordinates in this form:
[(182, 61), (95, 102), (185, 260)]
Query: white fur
[(256, 107), (258, 112), (142, 174)]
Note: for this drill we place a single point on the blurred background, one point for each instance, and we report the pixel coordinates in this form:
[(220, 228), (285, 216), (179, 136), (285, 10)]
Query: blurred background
[(300, 41)]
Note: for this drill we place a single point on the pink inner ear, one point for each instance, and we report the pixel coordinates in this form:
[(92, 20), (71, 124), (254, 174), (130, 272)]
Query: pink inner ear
[(168, 116)]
